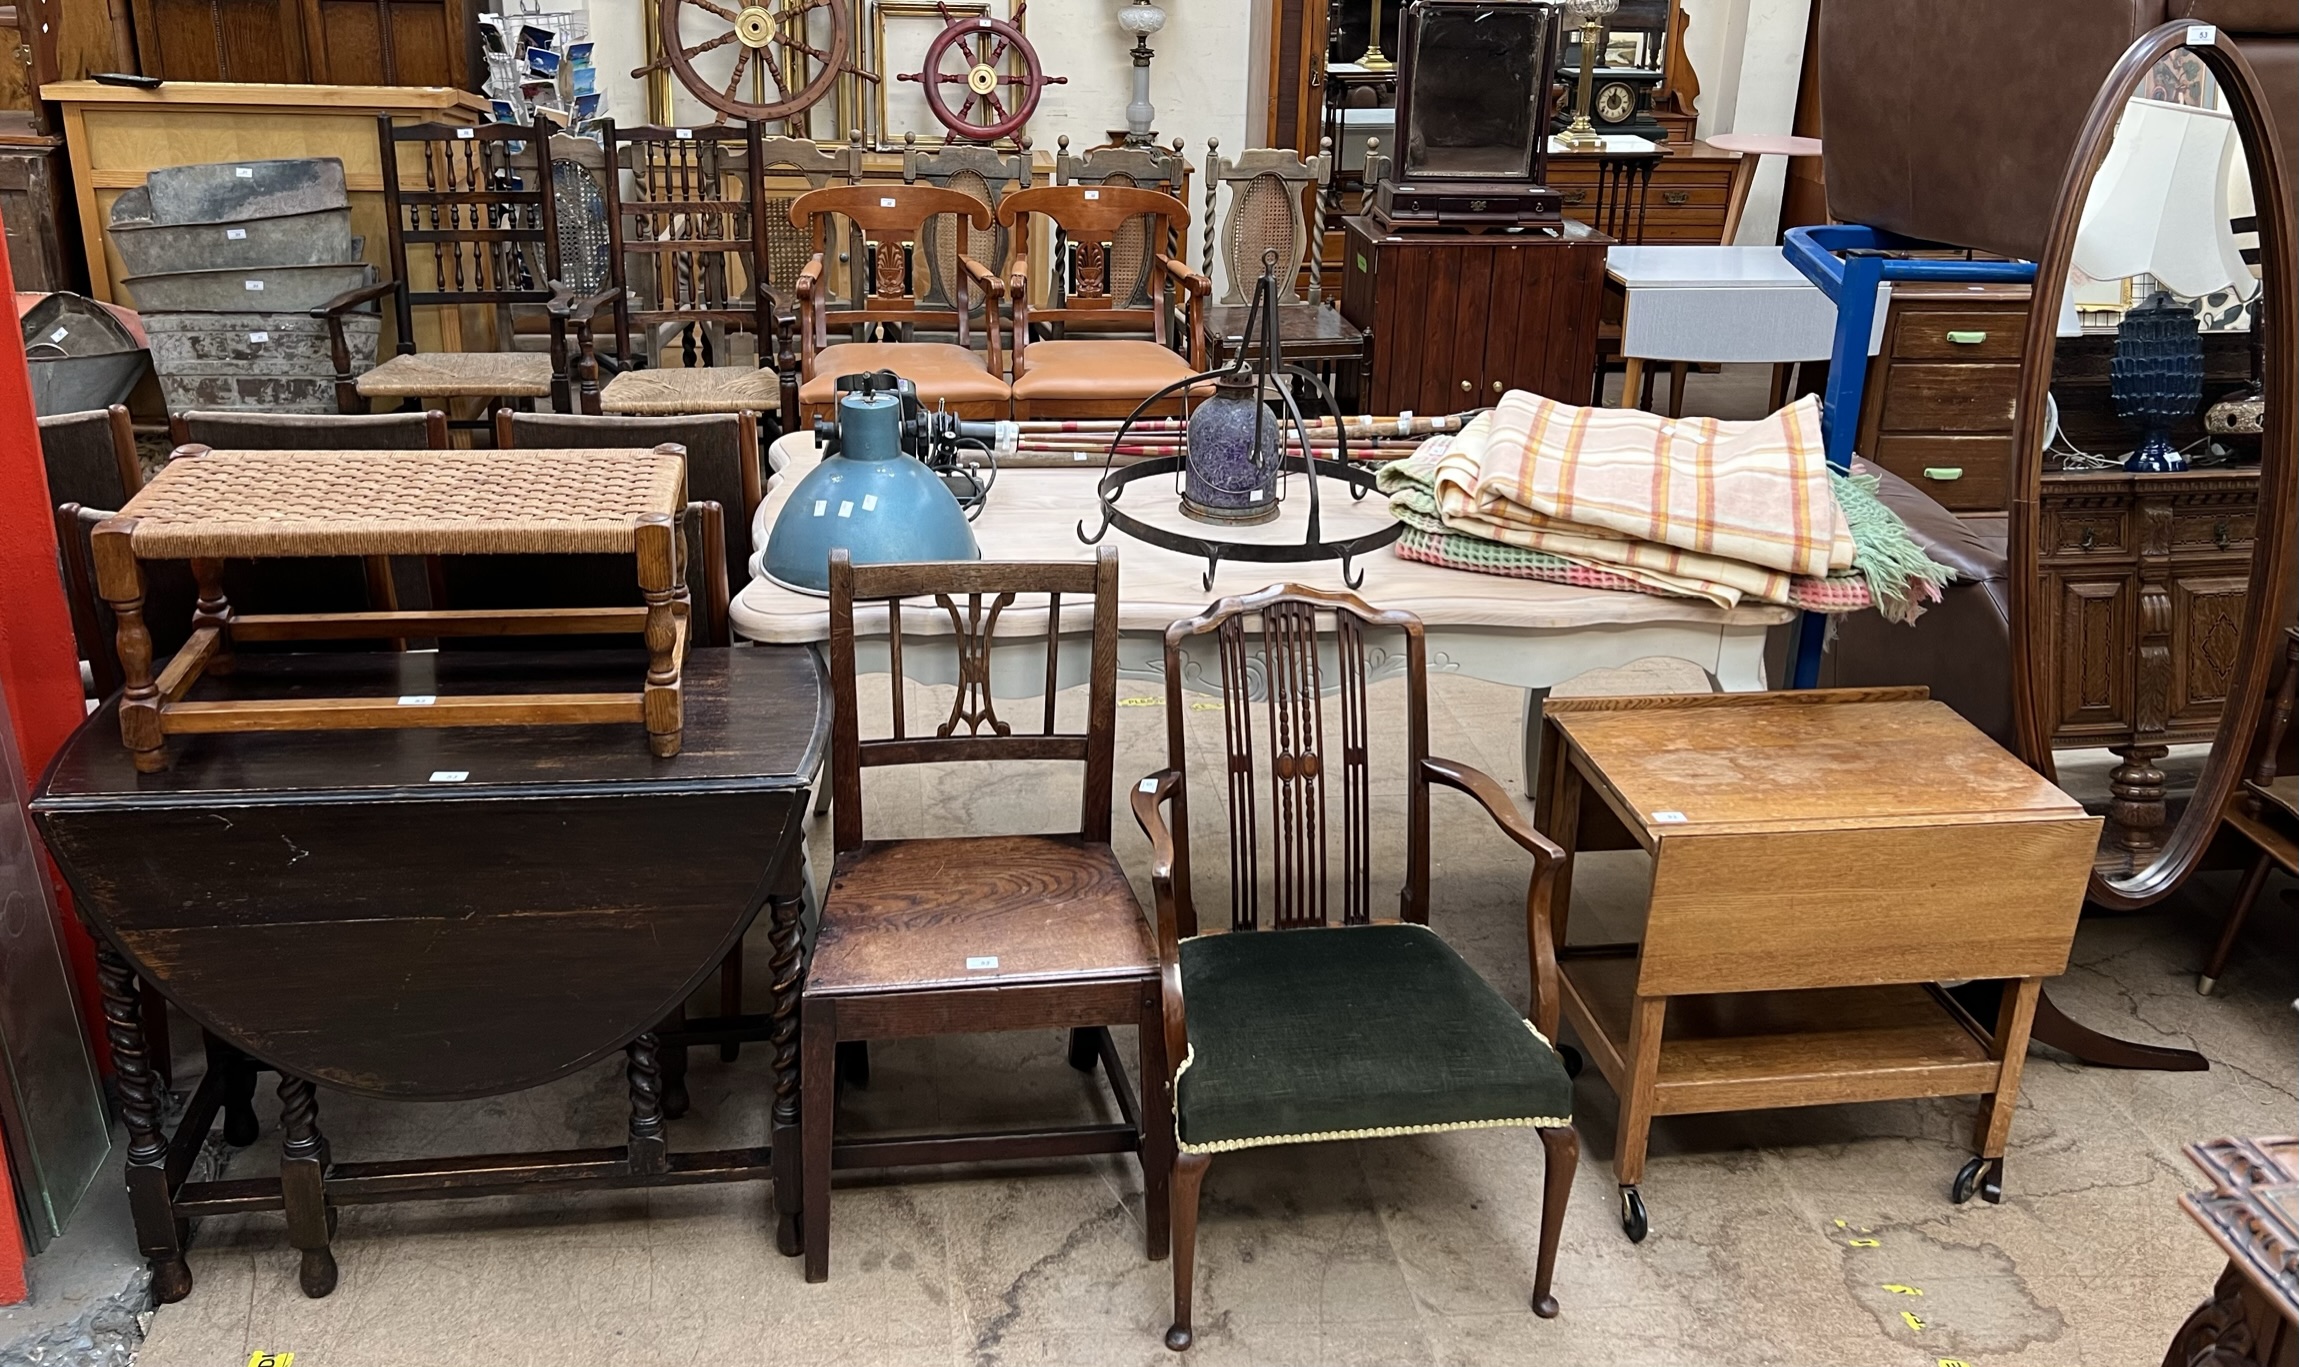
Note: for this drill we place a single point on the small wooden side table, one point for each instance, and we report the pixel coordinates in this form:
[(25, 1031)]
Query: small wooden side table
[(2252, 1211), (1821, 859)]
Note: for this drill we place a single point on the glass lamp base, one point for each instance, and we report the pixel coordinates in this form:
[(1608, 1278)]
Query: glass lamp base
[(2155, 456)]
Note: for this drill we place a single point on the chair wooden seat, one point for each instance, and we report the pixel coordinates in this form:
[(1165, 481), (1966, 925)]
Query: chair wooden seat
[(672, 391), (922, 938), (919, 914), (944, 373), (460, 375)]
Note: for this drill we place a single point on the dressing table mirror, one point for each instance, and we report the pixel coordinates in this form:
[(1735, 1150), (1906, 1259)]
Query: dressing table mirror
[(2148, 604)]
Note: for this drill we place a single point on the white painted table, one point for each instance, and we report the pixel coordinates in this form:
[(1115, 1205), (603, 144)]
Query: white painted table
[(1513, 631), (1720, 304)]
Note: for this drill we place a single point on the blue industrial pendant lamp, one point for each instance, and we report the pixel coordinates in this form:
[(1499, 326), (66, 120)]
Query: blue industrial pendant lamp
[(869, 497)]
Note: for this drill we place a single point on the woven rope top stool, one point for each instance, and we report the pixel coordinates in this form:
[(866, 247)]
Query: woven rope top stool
[(210, 506)]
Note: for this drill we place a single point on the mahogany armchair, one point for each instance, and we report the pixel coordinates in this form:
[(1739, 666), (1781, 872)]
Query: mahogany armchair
[(1310, 1031), (898, 283), (1102, 377)]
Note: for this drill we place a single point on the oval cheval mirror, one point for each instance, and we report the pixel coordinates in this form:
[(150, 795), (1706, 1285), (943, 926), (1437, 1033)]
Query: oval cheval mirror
[(2149, 600)]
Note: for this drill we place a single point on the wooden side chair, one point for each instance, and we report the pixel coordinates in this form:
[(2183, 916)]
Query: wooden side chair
[(1309, 1031), (982, 174), (2264, 811), (986, 933), (686, 242), (787, 168), (1145, 168), (91, 457), (896, 281), (1275, 205), (722, 451), (232, 429), (1101, 377), (481, 231)]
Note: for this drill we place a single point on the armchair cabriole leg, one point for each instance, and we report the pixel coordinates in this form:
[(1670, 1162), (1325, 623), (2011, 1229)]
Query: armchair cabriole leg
[(1188, 1179), (1563, 1145)]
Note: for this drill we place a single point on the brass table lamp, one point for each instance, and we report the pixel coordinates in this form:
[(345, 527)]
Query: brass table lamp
[(1581, 136)]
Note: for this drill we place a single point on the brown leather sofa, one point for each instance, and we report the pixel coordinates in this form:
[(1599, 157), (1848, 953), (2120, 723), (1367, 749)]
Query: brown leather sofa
[(1953, 120)]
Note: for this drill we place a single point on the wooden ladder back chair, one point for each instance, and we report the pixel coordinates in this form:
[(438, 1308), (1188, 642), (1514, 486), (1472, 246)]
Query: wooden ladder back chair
[(232, 429), (472, 222), (1101, 377), (722, 451), (1273, 199), (1310, 1019), (983, 174), (890, 274), (984, 933), (1146, 168), (686, 240)]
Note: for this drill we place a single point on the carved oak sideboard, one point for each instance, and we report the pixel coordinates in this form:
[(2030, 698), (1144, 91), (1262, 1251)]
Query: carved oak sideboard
[(2144, 576)]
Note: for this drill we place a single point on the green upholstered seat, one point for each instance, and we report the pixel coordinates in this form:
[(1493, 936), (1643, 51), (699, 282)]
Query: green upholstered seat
[(1351, 1032)]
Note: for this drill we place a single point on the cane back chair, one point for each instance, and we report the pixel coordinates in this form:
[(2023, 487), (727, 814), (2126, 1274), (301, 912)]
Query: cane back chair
[(686, 241), (1146, 168), (1101, 377), (1309, 1031), (906, 923), (487, 220), (982, 174), (891, 275)]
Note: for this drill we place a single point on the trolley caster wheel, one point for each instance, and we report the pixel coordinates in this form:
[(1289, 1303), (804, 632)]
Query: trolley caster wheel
[(317, 1276), (1571, 1058), (1632, 1217), (1984, 1176)]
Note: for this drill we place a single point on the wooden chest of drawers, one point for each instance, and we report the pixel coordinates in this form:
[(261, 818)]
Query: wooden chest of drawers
[(1686, 203), (1457, 318), (1938, 406)]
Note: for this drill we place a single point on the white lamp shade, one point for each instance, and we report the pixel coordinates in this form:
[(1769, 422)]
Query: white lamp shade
[(2161, 202)]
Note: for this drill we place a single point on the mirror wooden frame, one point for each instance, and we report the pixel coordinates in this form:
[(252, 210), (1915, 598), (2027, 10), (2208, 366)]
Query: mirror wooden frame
[(2269, 605)]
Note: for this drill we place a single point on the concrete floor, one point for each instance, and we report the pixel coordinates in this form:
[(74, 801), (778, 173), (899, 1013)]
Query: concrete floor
[(1777, 1238)]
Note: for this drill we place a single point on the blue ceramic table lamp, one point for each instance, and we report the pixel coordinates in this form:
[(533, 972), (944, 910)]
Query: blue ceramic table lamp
[(869, 496)]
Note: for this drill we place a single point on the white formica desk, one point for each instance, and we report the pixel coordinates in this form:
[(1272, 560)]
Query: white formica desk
[(1720, 304), (1512, 631)]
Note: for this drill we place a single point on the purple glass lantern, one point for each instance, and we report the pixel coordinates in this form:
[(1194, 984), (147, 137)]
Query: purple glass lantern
[(1233, 455)]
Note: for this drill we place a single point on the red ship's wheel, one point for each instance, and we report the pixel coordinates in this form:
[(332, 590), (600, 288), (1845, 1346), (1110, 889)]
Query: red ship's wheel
[(763, 32), (967, 54)]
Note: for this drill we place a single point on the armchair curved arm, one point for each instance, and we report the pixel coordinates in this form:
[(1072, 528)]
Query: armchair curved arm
[(347, 398), (1148, 797), (1018, 296), (993, 289), (1540, 930), (582, 308), (813, 330), (1195, 286)]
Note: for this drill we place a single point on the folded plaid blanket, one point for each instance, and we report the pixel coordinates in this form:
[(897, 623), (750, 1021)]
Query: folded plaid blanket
[(1888, 571), (1751, 493)]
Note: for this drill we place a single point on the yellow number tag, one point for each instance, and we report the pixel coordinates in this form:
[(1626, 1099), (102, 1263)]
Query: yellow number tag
[(271, 1360), (1898, 1290), (1913, 1322)]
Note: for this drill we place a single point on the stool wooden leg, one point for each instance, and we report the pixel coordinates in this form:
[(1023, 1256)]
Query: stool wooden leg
[(658, 578), (213, 610), (1677, 370), (151, 1202), (121, 582), (303, 1183)]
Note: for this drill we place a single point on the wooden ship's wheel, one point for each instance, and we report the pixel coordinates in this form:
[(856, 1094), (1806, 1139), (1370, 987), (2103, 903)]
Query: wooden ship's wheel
[(762, 32), (967, 53)]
